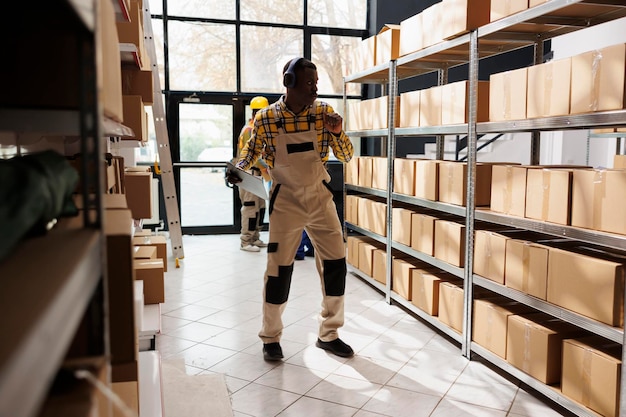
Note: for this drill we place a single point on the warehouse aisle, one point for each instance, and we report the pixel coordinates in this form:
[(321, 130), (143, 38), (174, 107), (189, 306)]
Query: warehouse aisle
[(402, 368)]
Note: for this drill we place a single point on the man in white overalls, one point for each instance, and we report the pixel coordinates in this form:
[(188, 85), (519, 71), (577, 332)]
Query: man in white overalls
[(295, 135)]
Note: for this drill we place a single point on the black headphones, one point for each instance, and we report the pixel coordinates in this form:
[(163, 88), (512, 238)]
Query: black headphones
[(289, 77)]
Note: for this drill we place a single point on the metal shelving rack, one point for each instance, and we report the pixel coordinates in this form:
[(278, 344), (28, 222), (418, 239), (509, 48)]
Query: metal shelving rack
[(530, 27), (52, 283)]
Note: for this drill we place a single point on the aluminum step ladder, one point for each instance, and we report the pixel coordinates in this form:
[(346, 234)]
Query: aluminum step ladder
[(163, 142)]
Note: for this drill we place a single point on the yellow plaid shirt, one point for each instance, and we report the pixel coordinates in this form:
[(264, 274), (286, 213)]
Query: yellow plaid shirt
[(262, 141)]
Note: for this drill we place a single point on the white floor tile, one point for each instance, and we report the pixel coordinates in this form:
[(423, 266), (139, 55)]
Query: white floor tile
[(448, 408), (292, 378), (396, 402), (312, 407), (262, 401)]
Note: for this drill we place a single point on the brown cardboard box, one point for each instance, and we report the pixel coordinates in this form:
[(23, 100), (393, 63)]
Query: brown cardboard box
[(526, 267), (490, 255), (366, 114), (598, 198), (599, 80), (508, 189), (423, 233), (365, 171), (549, 195), (507, 95), (352, 250), (451, 301), (533, 3), (352, 171), (125, 371), (592, 373), (410, 108), (132, 31), (150, 271), (430, 105), (366, 257), (110, 86), (401, 282), (387, 44), (401, 225), (534, 344), (410, 39), (135, 117), (379, 173), (351, 209), (453, 185), (365, 55), (427, 179), (425, 289), (379, 216), (450, 242), (461, 16), (589, 283), (353, 115), (549, 89), (161, 245), (139, 193), (118, 229), (432, 25), (128, 392), (137, 82), (379, 267), (504, 8), (404, 176), (454, 102), (379, 111), (490, 324)]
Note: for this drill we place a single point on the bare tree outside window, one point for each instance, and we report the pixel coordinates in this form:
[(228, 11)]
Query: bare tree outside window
[(210, 9), (290, 12), (347, 14)]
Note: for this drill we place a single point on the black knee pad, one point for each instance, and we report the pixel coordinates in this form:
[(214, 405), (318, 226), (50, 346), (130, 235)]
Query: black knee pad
[(335, 271), (277, 288), (252, 223)]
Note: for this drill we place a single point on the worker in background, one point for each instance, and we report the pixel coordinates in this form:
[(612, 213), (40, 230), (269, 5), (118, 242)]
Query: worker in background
[(305, 248), (297, 133), (252, 206)]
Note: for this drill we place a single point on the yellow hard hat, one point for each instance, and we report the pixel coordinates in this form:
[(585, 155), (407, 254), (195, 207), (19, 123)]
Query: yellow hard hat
[(259, 102)]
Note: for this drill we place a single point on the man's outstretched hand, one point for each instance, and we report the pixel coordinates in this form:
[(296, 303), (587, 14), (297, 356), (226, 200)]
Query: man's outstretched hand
[(232, 177)]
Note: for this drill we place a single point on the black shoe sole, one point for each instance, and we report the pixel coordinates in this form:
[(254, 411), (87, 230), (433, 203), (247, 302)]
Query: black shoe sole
[(333, 351), (272, 358)]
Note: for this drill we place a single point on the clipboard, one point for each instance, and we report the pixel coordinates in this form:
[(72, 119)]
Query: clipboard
[(249, 182)]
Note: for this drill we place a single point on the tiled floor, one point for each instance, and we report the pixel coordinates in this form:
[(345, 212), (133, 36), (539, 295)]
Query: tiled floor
[(402, 367)]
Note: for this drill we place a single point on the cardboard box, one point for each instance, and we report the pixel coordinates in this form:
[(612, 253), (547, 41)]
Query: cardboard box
[(379, 216), (427, 179), (132, 32), (139, 193), (135, 117), (365, 171), (598, 198), (526, 267), (144, 252), (150, 271), (161, 246), (507, 95), (451, 299), (430, 106), (453, 185), (136, 82), (549, 89), (379, 267), (401, 282), (353, 115), (454, 102), (352, 209), (387, 44), (401, 225), (490, 255), (504, 8), (508, 189), (423, 233), (128, 392), (461, 16), (379, 108), (379, 173), (592, 373), (364, 55), (410, 29), (450, 242), (588, 283), (432, 25), (410, 108), (534, 344), (366, 257), (118, 230), (352, 250), (549, 195), (404, 176), (352, 171), (599, 80), (110, 85), (425, 289), (619, 162), (366, 114), (490, 323)]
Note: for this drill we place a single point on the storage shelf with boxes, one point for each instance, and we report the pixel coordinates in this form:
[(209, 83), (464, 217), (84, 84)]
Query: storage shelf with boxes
[(543, 248)]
